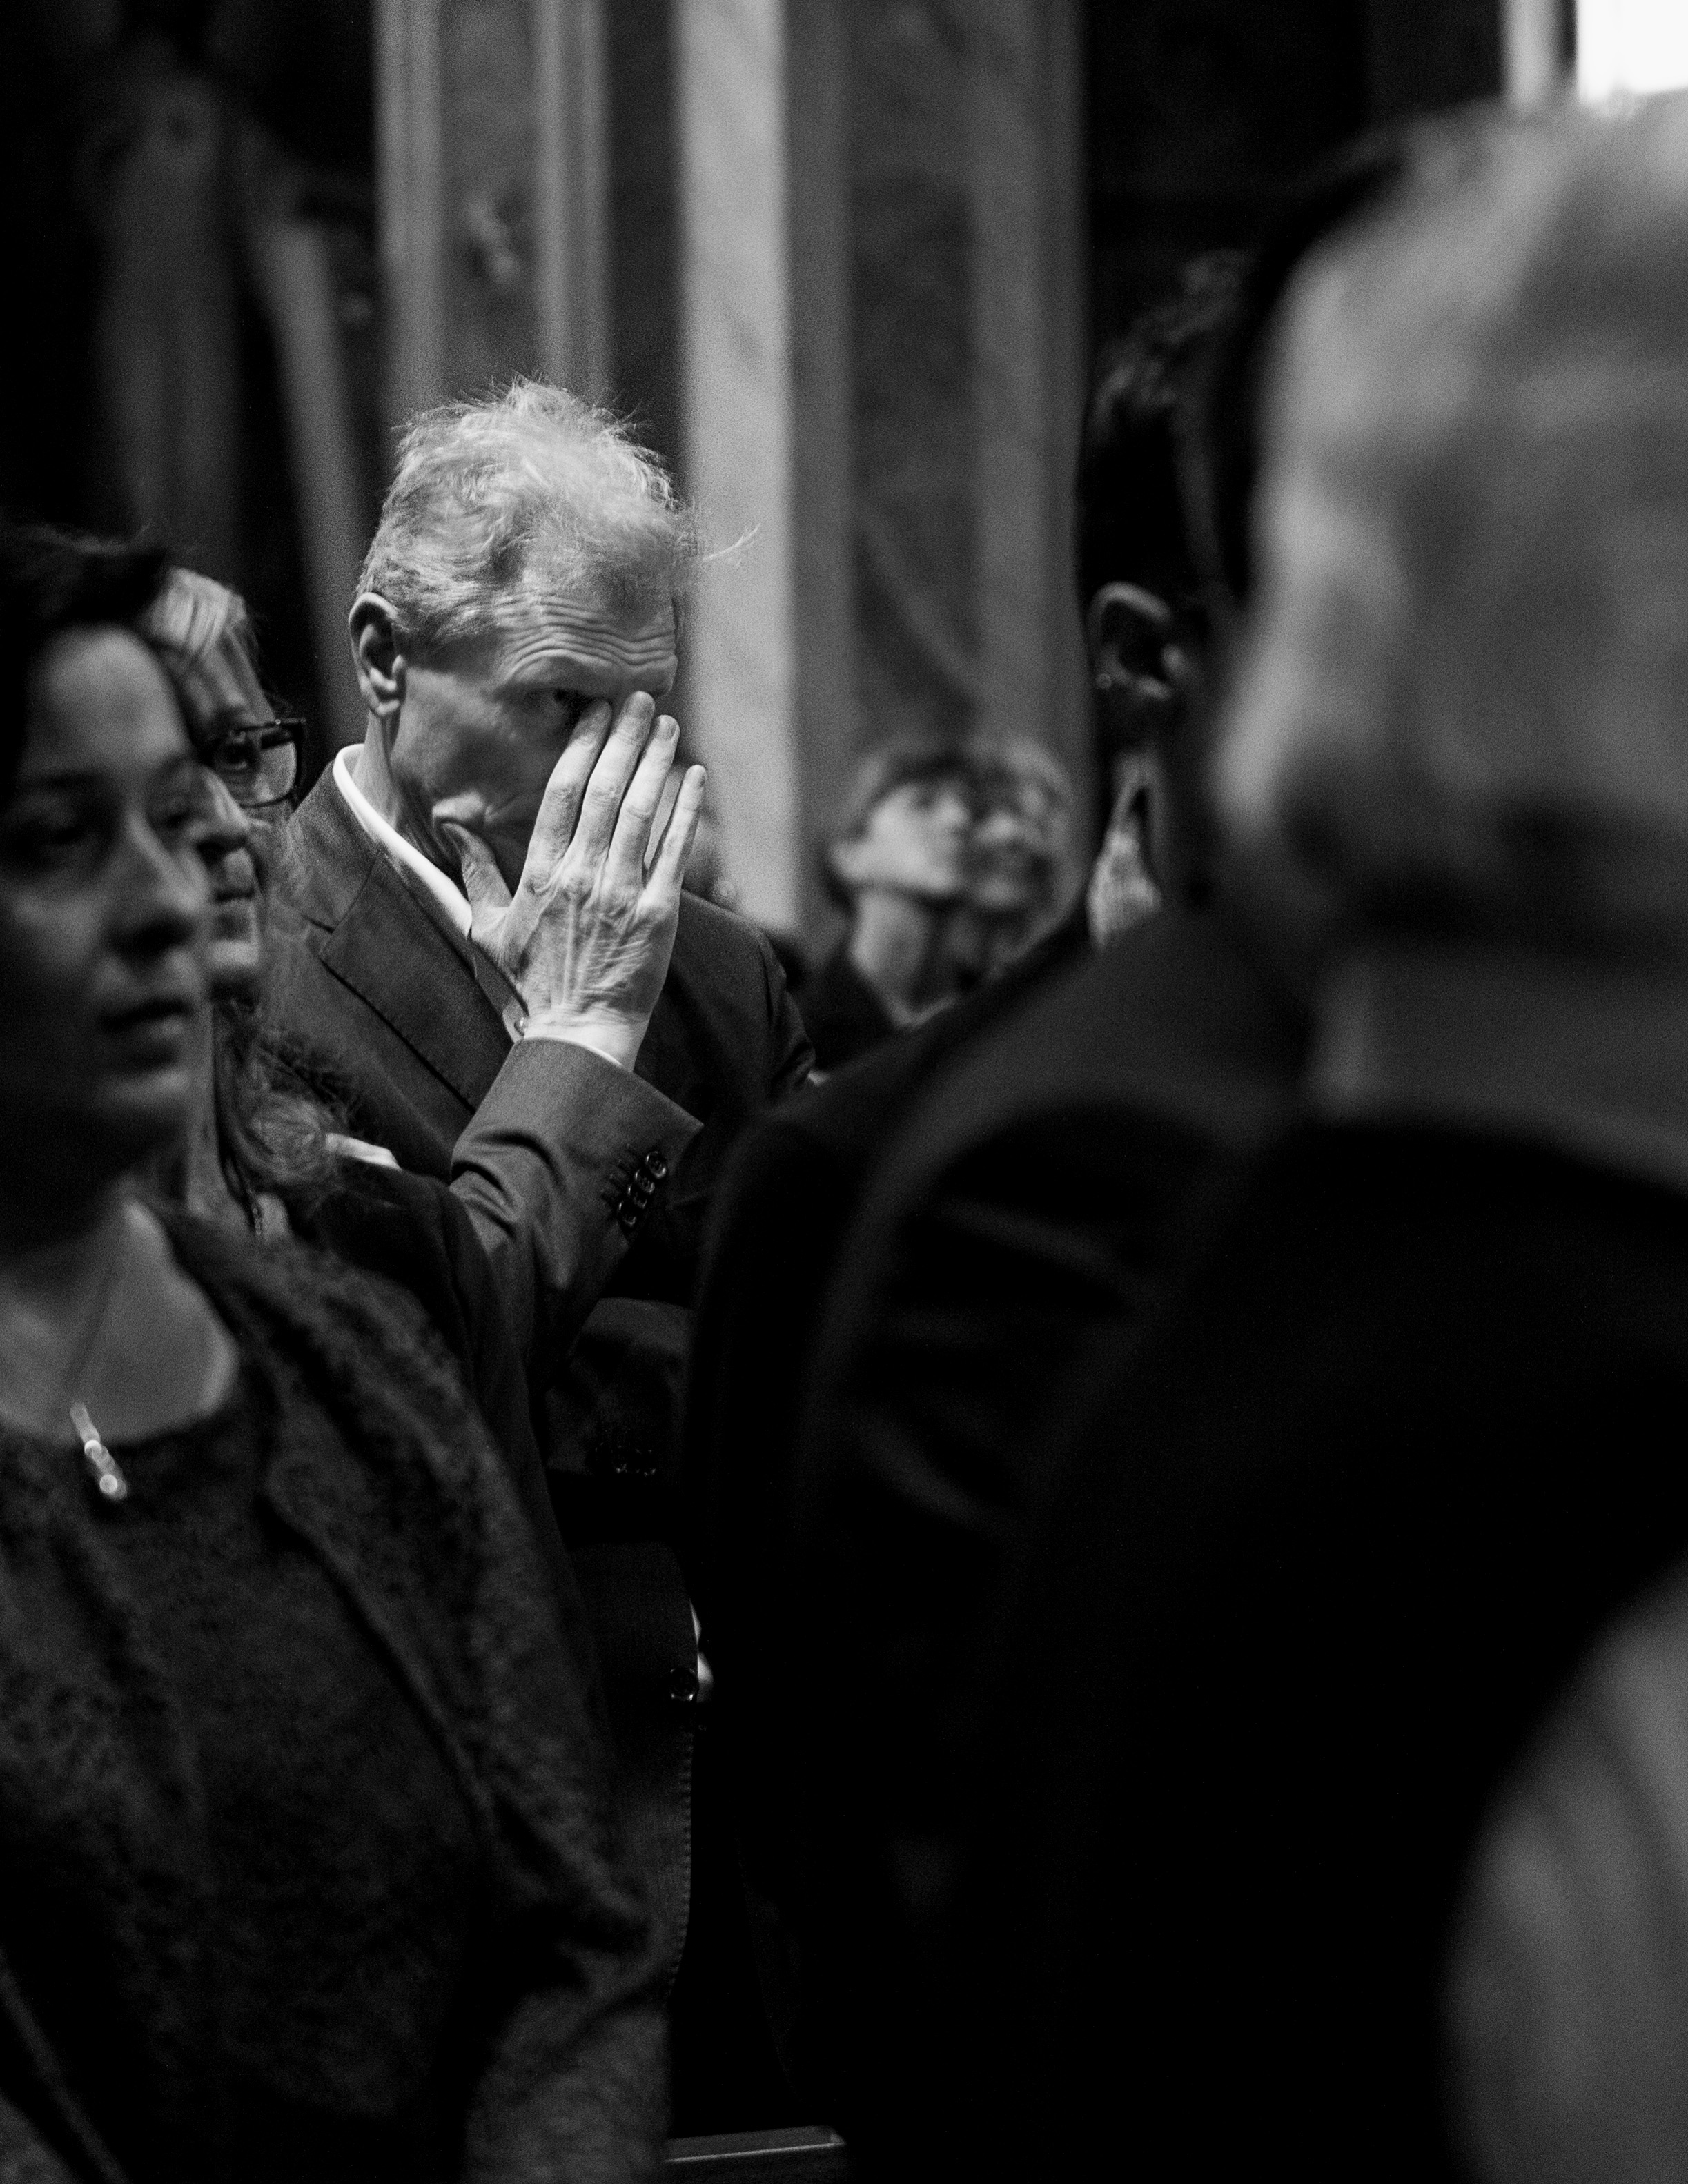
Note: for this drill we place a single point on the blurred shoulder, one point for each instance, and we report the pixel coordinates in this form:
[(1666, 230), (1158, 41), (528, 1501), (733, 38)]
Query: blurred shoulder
[(726, 983), (715, 944)]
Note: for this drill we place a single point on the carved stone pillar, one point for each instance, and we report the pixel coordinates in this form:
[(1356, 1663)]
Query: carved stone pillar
[(494, 196)]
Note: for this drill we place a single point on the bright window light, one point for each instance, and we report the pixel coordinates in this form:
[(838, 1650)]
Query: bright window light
[(1631, 45)]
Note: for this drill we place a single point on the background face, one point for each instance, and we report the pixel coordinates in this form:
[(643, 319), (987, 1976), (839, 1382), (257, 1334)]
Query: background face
[(1017, 846), (480, 731), (914, 842), (103, 904), (226, 841)]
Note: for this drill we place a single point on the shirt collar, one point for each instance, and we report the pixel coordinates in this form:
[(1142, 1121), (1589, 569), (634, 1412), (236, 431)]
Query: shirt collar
[(440, 894), (1590, 1057), (444, 901)]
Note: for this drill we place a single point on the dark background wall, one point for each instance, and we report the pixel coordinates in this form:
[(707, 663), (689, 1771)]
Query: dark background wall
[(1198, 114)]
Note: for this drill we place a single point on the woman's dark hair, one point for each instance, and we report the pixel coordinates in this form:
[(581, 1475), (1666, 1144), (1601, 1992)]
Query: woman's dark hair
[(52, 580)]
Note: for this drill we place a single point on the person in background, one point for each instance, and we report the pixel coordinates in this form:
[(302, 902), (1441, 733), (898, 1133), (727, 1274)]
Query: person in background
[(1374, 1543), (897, 865), (1020, 875), (263, 1152), (313, 1867)]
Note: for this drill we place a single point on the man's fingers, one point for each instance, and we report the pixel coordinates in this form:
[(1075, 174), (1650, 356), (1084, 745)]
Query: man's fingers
[(669, 870), (483, 882), (617, 761), (644, 799), (559, 807)]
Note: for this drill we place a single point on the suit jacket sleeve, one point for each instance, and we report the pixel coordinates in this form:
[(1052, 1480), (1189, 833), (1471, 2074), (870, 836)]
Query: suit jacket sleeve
[(793, 1055), (540, 1169)]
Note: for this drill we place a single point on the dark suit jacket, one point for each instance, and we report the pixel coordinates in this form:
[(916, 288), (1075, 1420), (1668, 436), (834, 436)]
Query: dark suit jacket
[(410, 1230), (384, 993), (791, 1193), (1038, 1199), (541, 1141), (1323, 1550)]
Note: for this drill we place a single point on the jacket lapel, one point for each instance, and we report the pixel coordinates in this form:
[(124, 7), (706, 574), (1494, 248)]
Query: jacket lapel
[(378, 940)]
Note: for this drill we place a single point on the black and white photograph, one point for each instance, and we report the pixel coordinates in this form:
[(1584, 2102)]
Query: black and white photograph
[(844, 1092)]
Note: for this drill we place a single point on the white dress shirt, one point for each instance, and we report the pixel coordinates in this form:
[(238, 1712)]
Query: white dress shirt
[(446, 903)]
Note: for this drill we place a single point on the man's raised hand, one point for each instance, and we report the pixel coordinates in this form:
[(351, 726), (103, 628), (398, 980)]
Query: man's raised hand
[(585, 938)]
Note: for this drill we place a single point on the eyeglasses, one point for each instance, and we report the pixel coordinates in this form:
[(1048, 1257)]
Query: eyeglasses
[(257, 762)]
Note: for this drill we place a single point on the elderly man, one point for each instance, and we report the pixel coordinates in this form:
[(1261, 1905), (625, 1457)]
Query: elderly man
[(489, 932)]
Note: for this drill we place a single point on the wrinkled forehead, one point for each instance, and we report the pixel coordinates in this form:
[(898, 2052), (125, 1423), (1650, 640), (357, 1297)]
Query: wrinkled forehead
[(600, 644)]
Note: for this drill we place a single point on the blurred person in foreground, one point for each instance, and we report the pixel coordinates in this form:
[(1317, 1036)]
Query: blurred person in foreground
[(1346, 1699), (312, 1861), (896, 865), (1039, 1197)]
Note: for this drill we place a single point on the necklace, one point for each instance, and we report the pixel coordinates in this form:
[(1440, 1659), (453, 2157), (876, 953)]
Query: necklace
[(107, 1476)]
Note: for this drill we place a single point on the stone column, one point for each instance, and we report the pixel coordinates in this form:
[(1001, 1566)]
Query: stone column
[(494, 197), (1027, 368), (737, 403), (761, 91)]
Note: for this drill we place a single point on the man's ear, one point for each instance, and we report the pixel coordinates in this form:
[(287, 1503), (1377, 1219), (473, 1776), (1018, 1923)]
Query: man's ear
[(1127, 629), (373, 628)]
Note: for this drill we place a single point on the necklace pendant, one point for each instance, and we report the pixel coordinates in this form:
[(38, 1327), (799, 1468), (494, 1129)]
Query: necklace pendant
[(102, 1463)]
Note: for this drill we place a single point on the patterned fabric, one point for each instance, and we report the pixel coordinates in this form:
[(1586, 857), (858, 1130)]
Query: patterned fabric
[(378, 1473)]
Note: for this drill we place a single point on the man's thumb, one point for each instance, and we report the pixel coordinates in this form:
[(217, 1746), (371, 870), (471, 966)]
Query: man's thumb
[(483, 882)]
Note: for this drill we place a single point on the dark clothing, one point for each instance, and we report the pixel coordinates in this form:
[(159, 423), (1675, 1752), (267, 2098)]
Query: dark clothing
[(313, 1860), (785, 1208), (339, 1854), (1037, 1200), (539, 1138), (411, 1230), (552, 1139), (1323, 1550), (842, 1014)]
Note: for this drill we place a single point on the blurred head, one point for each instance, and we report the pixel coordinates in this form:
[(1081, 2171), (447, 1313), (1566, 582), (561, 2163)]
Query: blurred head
[(906, 827), (102, 897), (529, 560), (1140, 589), (202, 636), (1465, 705), (1020, 857)]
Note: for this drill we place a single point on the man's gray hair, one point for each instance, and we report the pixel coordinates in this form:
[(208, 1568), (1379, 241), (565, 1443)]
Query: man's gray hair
[(520, 495), (1465, 702)]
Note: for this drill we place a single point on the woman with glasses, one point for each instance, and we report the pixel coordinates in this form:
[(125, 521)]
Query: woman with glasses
[(311, 1870), (265, 1152)]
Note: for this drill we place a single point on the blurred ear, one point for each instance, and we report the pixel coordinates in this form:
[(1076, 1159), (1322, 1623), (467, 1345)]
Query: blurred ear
[(1127, 630), (1133, 665), (373, 628)]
